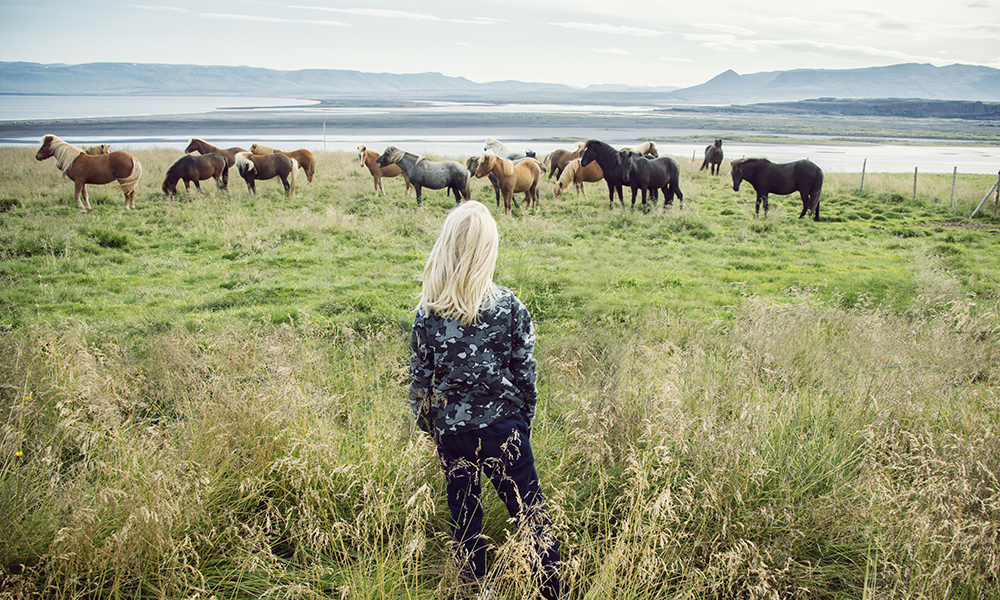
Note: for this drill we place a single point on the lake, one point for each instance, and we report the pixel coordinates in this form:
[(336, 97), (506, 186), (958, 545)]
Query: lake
[(448, 129)]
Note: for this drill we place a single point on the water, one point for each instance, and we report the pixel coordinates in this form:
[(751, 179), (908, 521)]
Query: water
[(450, 129)]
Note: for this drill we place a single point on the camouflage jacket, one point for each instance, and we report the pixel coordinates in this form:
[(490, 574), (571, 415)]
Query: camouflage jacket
[(464, 378)]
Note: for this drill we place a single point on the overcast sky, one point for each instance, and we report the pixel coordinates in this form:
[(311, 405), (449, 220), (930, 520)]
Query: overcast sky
[(575, 42)]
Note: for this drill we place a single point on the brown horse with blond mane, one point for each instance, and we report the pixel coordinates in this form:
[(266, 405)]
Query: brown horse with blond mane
[(367, 158), (512, 177), (305, 158), (267, 166), (98, 150), (557, 161), (83, 168), (576, 176)]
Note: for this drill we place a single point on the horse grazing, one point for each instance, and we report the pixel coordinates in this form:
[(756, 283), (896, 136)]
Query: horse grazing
[(191, 168), (83, 168), (640, 172), (513, 177), (203, 147), (766, 177), (498, 148), (607, 157), (254, 166), (98, 150), (305, 158), (576, 175), (713, 158), (428, 173), (556, 162), (367, 158)]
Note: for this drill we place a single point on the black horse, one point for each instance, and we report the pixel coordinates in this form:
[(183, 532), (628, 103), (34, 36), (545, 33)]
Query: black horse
[(713, 158), (802, 176), (607, 157), (640, 172)]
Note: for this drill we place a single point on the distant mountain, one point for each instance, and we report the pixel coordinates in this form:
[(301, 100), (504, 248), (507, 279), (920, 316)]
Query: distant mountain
[(954, 82), (922, 81)]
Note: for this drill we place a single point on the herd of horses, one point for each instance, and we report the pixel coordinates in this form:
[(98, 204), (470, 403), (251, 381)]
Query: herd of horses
[(509, 171)]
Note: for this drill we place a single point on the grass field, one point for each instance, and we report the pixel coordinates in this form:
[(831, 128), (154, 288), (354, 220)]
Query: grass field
[(206, 399)]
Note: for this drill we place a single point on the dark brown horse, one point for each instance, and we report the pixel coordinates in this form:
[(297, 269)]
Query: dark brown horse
[(83, 168), (191, 168), (766, 177), (203, 147), (713, 158), (305, 158), (367, 159), (268, 166)]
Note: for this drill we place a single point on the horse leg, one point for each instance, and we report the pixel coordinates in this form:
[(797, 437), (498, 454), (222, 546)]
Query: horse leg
[(288, 186), (417, 189), (197, 185), (252, 186), (756, 212), (79, 192)]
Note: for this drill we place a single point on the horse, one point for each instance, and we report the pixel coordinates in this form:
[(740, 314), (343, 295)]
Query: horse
[(501, 150), (607, 157), (203, 147), (305, 158), (430, 174), (513, 177), (556, 162), (472, 163), (192, 168), (640, 172), (83, 168), (367, 158), (713, 158), (98, 150), (576, 175), (254, 166), (766, 177), (647, 149)]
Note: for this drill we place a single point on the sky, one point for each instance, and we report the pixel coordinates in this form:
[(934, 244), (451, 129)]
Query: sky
[(573, 42)]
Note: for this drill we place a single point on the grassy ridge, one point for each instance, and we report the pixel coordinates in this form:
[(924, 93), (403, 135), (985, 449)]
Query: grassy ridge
[(205, 398)]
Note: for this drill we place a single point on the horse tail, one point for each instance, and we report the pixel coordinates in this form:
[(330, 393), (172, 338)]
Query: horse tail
[(815, 192), (295, 170), (128, 184), (468, 187), (225, 172)]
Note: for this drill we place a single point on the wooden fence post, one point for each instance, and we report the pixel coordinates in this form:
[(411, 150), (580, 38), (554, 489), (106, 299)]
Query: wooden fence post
[(954, 173), (996, 186), (861, 188), (914, 183)]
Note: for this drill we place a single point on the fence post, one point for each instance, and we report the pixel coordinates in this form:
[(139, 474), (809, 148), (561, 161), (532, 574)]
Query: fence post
[(996, 186), (914, 183), (861, 188), (954, 173)]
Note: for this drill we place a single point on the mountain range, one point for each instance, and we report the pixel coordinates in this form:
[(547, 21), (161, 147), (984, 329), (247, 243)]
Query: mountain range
[(914, 81)]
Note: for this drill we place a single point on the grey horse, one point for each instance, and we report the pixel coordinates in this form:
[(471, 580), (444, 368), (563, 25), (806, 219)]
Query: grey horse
[(430, 174)]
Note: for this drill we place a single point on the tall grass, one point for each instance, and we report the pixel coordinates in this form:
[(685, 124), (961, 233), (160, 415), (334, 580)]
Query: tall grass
[(206, 399)]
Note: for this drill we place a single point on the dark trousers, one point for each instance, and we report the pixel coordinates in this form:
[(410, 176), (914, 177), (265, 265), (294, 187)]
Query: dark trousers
[(501, 451)]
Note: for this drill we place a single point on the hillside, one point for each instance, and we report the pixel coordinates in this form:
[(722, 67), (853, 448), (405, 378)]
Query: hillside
[(923, 81)]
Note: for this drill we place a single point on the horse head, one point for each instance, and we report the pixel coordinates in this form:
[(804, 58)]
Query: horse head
[(484, 164), (193, 145), (391, 155), (588, 154), (361, 155), (244, 164), (46, 150), (718, 144), (737, 173), (492, 143)]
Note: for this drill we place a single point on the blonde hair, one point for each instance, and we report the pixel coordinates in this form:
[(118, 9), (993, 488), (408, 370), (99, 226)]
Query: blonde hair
[(458, 278)]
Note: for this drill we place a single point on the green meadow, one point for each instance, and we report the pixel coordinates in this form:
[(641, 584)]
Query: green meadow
[(206, 397)]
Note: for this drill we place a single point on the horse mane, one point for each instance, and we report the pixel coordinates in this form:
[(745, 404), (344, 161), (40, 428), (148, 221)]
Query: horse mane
[(506, 165), (569, 172), (64, 152), (603, 149), (261, 149), (243, 162), (646, 147)]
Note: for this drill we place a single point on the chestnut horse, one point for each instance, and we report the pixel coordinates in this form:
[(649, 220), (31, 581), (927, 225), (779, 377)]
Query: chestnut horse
[(306, 158), (98, 150), (557, 161), (196, 168), (576, 175), (512, 177), (647, 149), (367, 158), (268, 166), (203, 147), (83, 169)]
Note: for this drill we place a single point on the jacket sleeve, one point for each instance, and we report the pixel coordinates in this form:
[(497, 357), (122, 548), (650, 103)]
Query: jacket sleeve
[(522, 360), (421, 375)]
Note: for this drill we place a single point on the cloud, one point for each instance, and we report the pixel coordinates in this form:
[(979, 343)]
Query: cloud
[(384, 13), (259, 19), (151, 7), (721, 41), (617, 51), (677, 60), (610, 29), (733, 29)]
